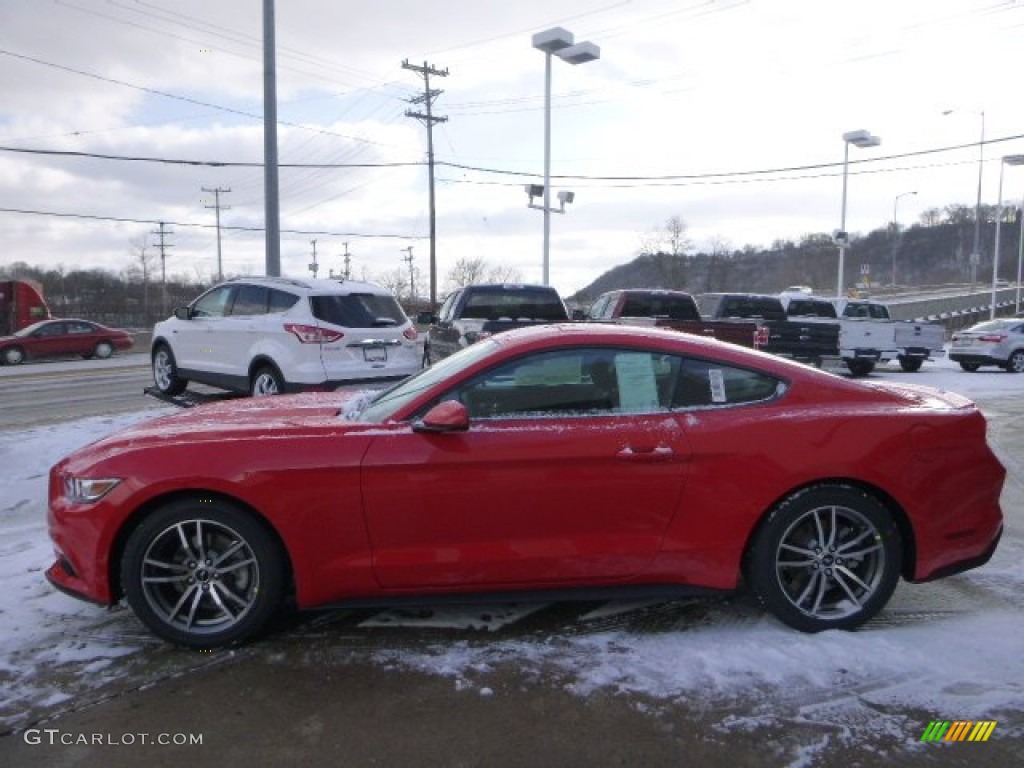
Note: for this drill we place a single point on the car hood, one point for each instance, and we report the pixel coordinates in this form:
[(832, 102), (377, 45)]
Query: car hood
[(235, 420)]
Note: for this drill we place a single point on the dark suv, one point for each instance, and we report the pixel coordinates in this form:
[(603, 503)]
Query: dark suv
[(476, 311)]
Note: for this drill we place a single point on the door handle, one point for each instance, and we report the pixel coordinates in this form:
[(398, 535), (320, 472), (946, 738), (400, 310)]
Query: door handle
[(657, 453)]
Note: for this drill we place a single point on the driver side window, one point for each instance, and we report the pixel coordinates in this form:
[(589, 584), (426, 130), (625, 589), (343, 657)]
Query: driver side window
[(213, 304)]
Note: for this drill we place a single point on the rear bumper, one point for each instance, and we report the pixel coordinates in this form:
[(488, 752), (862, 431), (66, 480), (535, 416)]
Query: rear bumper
[(975, 358), (966, 564)]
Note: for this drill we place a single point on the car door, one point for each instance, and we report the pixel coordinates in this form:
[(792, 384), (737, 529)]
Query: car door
[(196, 340), (81, 338), (566, 490), (48, 340)]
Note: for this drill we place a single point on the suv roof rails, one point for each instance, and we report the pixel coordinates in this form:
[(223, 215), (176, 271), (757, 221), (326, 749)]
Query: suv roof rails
[(270, 279)]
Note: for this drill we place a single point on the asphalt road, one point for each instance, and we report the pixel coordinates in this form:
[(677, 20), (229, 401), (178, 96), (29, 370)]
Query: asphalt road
[(47, 392)]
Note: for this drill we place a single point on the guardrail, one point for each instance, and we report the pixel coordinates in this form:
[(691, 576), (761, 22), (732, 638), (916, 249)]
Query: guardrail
[(955, 311)]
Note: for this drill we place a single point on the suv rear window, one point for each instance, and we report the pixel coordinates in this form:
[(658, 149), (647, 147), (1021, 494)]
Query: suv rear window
[(358, 310), (514, 304)]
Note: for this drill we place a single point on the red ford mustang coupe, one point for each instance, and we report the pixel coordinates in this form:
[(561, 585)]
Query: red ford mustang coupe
[(555, 460)]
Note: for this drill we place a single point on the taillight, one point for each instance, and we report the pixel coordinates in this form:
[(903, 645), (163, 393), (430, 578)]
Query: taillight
[(992, 338), (761, 336), (411, 333), (311, 334)]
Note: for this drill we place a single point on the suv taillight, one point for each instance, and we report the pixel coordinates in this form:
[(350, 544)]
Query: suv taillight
[(311, 334)]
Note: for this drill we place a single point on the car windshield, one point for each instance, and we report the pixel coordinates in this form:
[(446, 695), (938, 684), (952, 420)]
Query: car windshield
[(382, 407), (28, 330)]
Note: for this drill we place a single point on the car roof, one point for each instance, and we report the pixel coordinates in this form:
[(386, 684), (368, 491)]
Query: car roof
[(319, 286)]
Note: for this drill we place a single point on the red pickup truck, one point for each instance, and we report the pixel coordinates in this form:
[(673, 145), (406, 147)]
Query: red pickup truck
[(668, 309)]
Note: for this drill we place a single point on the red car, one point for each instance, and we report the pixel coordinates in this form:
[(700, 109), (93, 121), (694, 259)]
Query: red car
[(573, 459), (63, 338)]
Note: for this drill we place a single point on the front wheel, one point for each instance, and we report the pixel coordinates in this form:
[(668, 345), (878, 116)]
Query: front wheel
[(1016, 362), (970, 367), (266, 382), (910, 364), (165, 372), (828, 557), (202, 573)]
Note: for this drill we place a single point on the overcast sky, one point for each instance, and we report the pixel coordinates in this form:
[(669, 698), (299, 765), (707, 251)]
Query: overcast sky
[(687, 99)]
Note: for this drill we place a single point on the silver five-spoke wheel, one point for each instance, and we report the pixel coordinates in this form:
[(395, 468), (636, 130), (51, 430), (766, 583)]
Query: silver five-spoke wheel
[(827, 557), (202, 573)]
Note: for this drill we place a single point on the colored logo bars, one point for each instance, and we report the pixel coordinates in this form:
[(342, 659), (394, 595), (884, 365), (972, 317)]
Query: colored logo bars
[(958, 730)]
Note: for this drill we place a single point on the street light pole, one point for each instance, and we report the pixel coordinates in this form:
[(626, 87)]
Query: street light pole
[(559, 42), (860, 139), (896, 231)]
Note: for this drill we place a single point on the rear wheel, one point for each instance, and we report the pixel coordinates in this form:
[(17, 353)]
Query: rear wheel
[(860, 367), (14, 356), (202, 573), (267, 381), (970, 367), (165, 372), (910, 364), (1016, 362), (828, 557), (103, 350)]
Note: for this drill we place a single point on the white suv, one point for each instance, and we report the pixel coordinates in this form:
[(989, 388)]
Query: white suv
[(270, 335)]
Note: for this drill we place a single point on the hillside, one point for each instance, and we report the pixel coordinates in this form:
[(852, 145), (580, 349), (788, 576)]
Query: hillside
[(923, 254)]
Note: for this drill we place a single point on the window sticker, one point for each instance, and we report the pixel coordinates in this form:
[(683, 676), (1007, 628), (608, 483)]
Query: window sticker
[(638, 390), (717, 382)]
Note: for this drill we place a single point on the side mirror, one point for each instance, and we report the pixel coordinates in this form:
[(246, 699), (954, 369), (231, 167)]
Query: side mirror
[(449, 416), (426, 318), (183, 313)]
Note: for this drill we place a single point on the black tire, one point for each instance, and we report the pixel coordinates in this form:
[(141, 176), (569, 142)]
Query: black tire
[(425, 363), (103, 350), (860, 367), (970, 367), (828, 557), (266, 382), (910, 364), (1016, 362), (14, 356), (165, 372), (203, 573)]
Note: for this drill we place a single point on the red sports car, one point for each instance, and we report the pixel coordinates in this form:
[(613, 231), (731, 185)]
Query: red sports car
[(63, 338), (564, 460)]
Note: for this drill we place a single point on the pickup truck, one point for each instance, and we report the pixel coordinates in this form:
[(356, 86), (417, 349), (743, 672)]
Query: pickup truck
[(810, 342), (862, 341), (474, 312), (667, 309), (913, 342)]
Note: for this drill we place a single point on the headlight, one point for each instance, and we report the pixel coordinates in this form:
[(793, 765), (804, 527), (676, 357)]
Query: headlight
[(86, 490)]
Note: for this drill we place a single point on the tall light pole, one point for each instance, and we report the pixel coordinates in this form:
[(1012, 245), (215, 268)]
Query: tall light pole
[(862, 139), (976, 253), (1020, 254), (1007, 160), (896, 231), (559, 42)]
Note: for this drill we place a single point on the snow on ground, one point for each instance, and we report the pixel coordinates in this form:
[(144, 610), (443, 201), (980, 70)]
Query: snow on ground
[(950, 648)]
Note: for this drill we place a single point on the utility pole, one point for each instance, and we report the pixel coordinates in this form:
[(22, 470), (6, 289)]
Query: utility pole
[(162, 245), (428, 119), (216, 205), (412, 278), (272, 209), (348, 263), (313, 266)]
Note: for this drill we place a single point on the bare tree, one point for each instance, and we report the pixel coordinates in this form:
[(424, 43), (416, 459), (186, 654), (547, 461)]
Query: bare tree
[(931, 217), (142, 264), (719, 252), (467, 271), (668, 247)]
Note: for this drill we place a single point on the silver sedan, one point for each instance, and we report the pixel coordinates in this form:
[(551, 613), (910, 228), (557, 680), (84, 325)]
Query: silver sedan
[(993, 342)]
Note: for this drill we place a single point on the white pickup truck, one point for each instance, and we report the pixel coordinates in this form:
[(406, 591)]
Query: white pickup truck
[(912, 342), (868, 334)]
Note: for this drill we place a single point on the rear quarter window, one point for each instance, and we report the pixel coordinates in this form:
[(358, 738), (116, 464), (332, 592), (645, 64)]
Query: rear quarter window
[(358, 310)]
